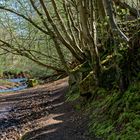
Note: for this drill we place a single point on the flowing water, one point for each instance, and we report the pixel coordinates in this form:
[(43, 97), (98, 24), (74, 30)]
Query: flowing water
[(17, 80)]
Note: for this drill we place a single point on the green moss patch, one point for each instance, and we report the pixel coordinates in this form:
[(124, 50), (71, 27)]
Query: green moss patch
[(117, 116)]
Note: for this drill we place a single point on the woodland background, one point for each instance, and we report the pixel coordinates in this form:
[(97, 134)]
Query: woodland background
[(94, 42)]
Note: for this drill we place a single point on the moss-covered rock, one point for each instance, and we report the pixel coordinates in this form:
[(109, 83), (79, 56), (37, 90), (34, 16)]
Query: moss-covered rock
[(87, 85), (32, 82), (76, 76)]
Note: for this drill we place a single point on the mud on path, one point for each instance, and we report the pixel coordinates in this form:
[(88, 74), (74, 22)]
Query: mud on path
[(41, 113)]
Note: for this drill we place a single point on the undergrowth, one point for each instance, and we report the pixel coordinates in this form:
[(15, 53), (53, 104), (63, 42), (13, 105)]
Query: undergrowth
[(116, 116)]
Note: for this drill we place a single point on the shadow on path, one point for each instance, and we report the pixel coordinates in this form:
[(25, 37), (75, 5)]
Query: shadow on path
[(63, 123), (43, 114)]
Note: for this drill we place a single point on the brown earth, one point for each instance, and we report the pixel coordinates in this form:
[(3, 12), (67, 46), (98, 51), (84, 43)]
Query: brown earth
[(41, 113)]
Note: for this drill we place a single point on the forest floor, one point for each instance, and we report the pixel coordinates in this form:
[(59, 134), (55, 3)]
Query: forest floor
[(42, 113)]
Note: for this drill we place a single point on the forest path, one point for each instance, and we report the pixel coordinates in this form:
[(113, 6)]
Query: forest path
[(41, 113)]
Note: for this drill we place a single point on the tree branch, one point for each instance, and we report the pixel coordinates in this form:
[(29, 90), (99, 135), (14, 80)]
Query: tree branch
[(24, 17), (112, 21)]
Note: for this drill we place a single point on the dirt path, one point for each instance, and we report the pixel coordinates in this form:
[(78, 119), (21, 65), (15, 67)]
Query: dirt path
[(41, 113)]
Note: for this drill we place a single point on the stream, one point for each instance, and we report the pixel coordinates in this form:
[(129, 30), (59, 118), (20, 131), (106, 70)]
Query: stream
[(23, 85)]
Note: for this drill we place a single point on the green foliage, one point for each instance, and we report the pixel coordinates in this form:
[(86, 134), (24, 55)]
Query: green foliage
[(72, 97), (116, 116), (122, 13), (23, 64)]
